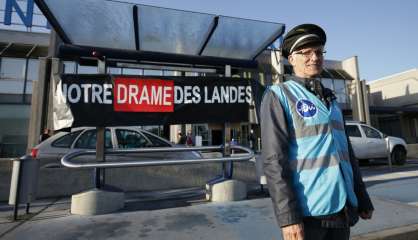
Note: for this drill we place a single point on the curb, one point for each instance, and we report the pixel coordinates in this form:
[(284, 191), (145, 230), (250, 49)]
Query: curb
[(409, 232)]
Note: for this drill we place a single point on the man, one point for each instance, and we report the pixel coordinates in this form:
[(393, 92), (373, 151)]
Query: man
[(182, 138), (313, 178), (251, 139), (189, 139), (45, 135)]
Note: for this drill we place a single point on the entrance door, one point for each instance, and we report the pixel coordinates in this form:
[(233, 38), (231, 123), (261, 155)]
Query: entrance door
[(217, 137)]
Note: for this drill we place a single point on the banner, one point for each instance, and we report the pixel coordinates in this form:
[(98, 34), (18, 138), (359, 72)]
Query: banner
[(112, 100)]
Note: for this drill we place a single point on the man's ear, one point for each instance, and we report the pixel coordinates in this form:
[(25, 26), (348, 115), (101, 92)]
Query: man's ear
[(291, 60)]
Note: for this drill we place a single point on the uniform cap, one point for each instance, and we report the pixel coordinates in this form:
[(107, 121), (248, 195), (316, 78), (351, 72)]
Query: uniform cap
[(302, 35)]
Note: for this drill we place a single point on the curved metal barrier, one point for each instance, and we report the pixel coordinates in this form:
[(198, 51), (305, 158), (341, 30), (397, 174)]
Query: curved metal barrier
[(66, 159)]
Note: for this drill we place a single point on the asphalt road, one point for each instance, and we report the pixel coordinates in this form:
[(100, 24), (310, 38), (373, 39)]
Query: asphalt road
[(398, 184)]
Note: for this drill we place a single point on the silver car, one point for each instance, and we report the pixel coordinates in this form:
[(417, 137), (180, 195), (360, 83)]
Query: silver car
[(370, 143), (50, 151)]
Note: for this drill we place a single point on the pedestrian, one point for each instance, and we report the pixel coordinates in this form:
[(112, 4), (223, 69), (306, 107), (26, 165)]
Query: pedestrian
[(182, 138), (46, 133), (189, 139), (251, 139), (313, 178)]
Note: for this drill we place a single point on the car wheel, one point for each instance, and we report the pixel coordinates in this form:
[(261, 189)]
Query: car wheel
[(398, 156)]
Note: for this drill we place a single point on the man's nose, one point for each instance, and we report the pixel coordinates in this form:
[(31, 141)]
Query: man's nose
[(315, 56)]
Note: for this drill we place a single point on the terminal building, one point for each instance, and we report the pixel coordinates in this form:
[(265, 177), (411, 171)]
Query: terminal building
[(394, 104), (25, 37)]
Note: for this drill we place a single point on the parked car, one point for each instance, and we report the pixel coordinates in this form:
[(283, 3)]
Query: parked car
[(370, 143), (50, 151)]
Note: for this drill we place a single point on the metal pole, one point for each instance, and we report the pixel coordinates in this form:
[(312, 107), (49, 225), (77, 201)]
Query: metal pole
[(388, 153), (227, 167), (100, 138), (17, 196), (65, 160), (100, 148), (27, 208), (258, 144)]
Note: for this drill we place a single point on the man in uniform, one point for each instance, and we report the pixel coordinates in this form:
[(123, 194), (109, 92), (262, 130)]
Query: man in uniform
[(312, 175)]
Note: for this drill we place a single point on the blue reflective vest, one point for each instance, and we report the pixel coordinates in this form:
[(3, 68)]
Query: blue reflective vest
[(318, 151)]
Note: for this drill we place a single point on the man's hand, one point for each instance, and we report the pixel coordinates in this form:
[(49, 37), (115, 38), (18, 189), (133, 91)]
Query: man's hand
[(293, 232), (366, 214)]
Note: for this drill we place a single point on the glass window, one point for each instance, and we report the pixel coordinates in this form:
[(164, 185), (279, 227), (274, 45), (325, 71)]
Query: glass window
[(38, 20), (327, 83), (191, 74), (203, 131), (88, 140), (66, 140), (33, 68), (69, 67), (32, 75), (156, 142), (13, 68), (12, 72), (340, 91), (131, 139), (149, 72), (171, 73), (114, 70), (353, 131), (132, 71), (348, 87), (370, 132), (87, 69)]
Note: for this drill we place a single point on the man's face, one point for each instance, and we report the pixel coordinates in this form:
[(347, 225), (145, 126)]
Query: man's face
[(307, 62)]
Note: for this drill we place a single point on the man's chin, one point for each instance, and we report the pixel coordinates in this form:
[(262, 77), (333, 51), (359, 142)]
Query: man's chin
[(314, 73)]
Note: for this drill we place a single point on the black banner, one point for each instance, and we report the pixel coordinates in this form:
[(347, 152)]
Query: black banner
[(111, 100)]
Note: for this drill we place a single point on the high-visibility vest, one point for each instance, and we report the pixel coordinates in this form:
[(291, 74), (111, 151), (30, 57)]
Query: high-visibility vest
[(318, 151)]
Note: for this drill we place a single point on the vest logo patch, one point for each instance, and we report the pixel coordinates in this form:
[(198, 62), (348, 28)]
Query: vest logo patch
[(306, 108)]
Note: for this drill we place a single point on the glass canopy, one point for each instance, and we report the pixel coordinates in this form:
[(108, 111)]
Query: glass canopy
[(127, 26), (95, 23), (172, 31)]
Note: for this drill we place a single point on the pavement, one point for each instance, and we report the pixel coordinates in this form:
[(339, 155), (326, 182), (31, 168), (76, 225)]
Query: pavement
[(184, 214)]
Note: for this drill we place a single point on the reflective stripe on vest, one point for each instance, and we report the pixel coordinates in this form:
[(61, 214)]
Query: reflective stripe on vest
[(318, 151)]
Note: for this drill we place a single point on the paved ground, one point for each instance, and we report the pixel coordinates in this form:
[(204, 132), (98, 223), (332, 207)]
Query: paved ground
[(394, 194)]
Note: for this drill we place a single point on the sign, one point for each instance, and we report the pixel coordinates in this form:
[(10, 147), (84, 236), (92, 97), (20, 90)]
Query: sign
[(111, 100), (24, 10)]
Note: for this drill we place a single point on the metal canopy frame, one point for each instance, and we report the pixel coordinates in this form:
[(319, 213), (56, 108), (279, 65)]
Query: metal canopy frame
[(222, 43), (211, 40)]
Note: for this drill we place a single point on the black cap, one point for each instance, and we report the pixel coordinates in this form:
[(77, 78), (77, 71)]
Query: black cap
[(303, 35)]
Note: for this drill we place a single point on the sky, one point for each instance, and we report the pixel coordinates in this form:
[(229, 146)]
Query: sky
[(383, 34)]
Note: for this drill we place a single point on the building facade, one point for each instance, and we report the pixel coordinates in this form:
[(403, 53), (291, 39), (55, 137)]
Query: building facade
[(394, 104), (24, 37)]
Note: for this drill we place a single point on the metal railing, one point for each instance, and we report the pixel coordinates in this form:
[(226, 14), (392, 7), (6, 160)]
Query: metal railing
[(66, 159)]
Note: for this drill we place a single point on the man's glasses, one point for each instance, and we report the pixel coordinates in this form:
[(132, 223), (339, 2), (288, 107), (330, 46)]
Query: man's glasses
[(310, 53)]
